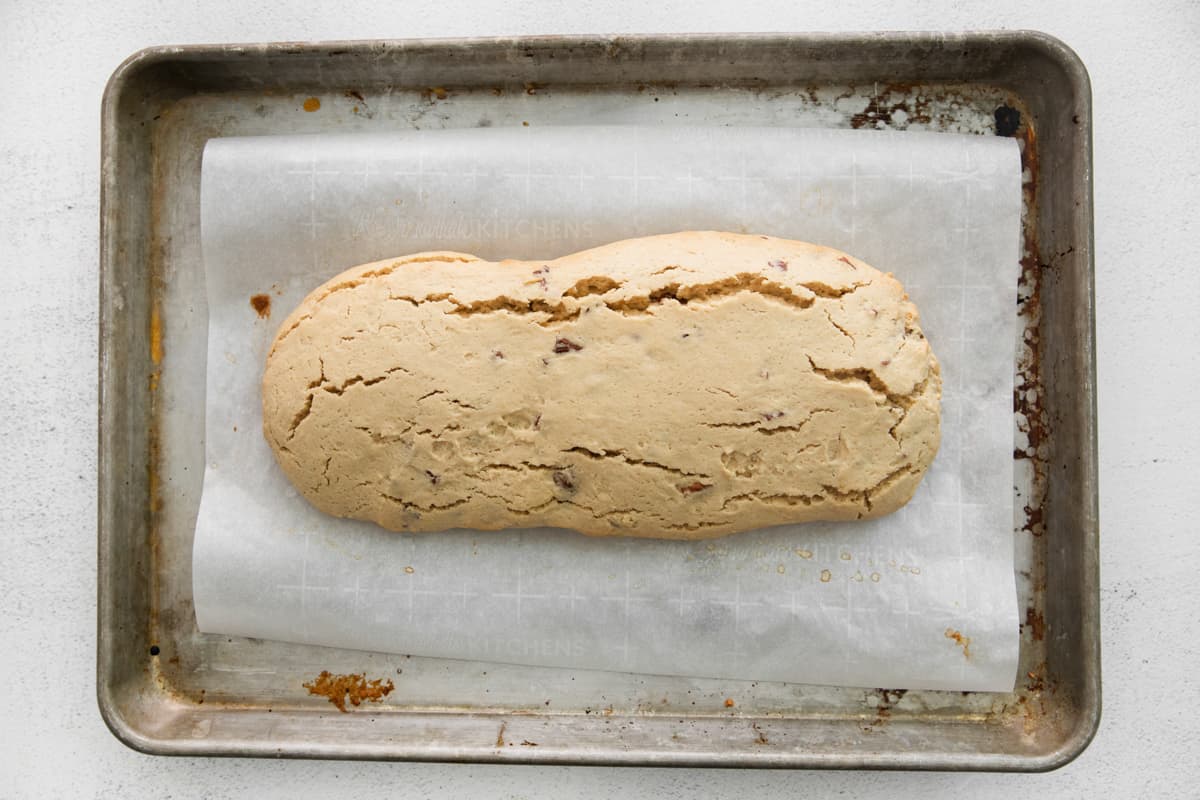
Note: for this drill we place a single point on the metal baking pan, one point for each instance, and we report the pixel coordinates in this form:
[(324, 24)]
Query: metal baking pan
[(165, 688)]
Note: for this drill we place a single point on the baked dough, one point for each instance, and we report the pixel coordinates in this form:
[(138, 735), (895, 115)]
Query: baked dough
[(681, 386)]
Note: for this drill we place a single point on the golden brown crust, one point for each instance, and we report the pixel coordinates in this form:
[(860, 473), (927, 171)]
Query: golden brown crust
[(683, 386)]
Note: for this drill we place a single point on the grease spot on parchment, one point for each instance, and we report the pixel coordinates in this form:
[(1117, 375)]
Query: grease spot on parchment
[(963, 641)]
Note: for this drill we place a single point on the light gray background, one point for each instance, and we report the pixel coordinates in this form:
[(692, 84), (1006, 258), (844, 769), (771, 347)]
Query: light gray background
[(1144, 60)]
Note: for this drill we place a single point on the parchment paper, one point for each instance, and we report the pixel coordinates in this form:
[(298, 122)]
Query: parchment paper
[(924, 598)]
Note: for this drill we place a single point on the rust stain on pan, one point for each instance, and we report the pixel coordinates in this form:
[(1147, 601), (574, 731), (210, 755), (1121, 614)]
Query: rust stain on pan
[(887, 700), (353, 688), (1031, 707), (1027, 395), (1031, 711), (1036, 624), (1013, 119), (361, 106), (1033, 518), (156, 333), (152, 485), (897, 105)]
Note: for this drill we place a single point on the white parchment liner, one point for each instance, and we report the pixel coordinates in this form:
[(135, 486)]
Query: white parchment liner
[(924, 598)]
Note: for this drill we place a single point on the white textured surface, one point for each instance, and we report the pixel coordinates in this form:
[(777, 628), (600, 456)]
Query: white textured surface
[(1144, 61)]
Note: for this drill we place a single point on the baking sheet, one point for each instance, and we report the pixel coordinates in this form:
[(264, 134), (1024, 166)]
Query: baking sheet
[(924, 598)]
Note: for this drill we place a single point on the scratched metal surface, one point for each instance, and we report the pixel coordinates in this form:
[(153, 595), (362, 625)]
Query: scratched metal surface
[(166, 688)]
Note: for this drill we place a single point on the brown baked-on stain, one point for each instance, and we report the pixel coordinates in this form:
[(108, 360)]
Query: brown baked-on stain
[(888, 698), (261, 303), (914, 100), (355, 688), (1036, 623), (962, 641), (1034, 524), (152, 485), (312, 104), (1031, 708), (1028, 393), (156, 335)]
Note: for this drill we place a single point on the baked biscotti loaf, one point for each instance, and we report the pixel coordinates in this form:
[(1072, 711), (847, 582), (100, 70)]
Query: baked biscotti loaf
[(681, 386)]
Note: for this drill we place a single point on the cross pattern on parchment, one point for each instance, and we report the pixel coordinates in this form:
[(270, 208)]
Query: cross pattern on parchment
[(409, 580), (312, 173), (573, 597), (520, 595), (791, 606), (425, 592), (527, 175), (626, 599), (681, 603), (420, 174), (743, 182), (853, 178), (364, 171), (463, 595), (691, 180), (357, 590), (737, 604), (635, 178), (408, 592), (473, 174), (582, 176), (304, 587)]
